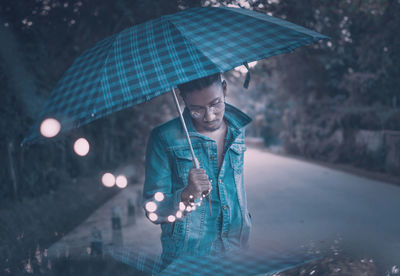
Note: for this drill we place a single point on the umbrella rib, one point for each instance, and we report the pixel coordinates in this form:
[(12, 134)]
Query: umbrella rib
[(192, 42)]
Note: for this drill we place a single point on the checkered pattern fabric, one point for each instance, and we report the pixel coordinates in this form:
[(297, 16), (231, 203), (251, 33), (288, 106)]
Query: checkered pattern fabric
[(146, 60), (235, 263)]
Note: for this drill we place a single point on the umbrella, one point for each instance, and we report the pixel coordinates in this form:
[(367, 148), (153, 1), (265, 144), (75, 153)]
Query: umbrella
[(152, 58)]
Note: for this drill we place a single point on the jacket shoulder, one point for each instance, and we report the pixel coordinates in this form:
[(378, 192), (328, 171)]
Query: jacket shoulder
[(170, 131)]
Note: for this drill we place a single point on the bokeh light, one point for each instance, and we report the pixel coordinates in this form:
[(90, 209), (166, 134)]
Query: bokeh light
[(108, 180), (151, 206), (121, 181), (188, 208), (159, 196), (179, 214), (171, 218), (50, 127), (153, 217), (81, 147), (182, 206)]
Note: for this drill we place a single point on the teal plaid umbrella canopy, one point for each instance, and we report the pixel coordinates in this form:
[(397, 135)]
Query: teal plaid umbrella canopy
[(152, 58)]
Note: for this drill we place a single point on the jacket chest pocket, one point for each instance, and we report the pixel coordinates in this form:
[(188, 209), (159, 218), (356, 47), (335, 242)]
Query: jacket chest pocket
[(236, 153), (183, 162)]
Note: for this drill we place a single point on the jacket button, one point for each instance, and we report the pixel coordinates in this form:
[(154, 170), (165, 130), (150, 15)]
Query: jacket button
[(224, 207)]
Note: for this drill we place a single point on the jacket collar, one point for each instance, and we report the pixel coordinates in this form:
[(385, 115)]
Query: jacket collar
[(235, 118)]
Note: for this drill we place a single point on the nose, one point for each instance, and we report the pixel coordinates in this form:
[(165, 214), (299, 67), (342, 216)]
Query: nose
[(209, 116)]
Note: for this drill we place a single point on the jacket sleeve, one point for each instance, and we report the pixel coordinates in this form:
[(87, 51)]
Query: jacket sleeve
[(158, 178)]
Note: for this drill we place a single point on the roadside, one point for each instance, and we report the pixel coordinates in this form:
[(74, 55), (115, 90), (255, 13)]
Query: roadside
[(259, 144), (28, 227), (120, 247)]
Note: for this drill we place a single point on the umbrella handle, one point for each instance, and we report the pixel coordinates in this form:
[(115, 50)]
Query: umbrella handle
[(194, 159)]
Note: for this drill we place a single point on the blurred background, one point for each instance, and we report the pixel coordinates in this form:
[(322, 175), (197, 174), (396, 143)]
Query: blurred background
[(335, 102)]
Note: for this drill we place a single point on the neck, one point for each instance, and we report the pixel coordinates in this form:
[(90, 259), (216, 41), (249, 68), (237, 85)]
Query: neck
[(218, 131)]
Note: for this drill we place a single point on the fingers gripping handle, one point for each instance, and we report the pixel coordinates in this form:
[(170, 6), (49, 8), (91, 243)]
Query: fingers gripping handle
[(196, 165)]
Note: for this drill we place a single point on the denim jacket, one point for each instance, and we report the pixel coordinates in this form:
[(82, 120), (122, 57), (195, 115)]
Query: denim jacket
[(168, 161)]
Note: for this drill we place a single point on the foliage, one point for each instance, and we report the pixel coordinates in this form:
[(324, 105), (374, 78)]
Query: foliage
[(323, 93), (40, 40), (310, 101)]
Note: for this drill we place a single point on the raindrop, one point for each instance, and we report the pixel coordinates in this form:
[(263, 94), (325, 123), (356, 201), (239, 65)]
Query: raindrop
[(159, 196), (50, 127), (151, 206), (121, 181), (81, 147), (108, 180), (153, 217)]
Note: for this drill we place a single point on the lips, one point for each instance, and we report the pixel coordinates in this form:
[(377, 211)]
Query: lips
[(212, 123)]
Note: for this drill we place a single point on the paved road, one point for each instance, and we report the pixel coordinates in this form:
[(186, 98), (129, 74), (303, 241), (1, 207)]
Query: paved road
[(294, 204)]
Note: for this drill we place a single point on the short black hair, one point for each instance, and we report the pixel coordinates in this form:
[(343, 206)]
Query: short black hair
[(198, 84)]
